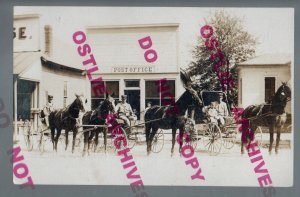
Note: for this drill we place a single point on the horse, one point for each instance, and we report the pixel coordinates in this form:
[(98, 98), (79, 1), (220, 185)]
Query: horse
[(170, 117), (270, 115), (97, 117), (67, 119)]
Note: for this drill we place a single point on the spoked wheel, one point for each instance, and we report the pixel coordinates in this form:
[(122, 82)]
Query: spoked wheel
[(213, 139), (158, 141), (258, 136), (41, 144), (41, 141), (229, 139), (117, 140), (191, 140), (132, 137)]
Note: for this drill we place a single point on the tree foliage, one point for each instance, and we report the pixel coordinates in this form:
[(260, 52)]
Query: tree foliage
[(236, 44)]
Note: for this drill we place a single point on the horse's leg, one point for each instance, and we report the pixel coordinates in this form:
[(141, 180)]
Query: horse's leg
[(90, 139), (181, 139), (52, 137), (271, 129), (173, 141), (152, 134), (74, 139), (85, 140), (148, 129), (104, 130), (56, 138), (67, 138), (96, 139), (277, 139)]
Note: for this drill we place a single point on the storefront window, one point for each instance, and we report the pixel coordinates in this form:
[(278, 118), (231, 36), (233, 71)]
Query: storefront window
[(153, 94), (132, 83), (112, 88)]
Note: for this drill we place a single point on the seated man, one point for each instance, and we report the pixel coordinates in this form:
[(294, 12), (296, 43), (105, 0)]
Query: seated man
[(124, 111), (212, 112), (222, 109)]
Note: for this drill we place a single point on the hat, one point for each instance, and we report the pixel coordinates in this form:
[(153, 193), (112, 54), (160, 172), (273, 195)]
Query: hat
[(124, 96)]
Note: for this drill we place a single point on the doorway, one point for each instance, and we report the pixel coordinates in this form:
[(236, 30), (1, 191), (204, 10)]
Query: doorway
[(133, 98)]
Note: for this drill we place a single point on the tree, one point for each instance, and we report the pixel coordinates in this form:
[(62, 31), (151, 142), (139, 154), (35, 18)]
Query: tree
[(236, 44)]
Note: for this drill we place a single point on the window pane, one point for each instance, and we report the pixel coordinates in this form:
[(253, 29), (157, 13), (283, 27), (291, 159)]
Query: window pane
[(151, 89), (112, 88), (269, 88), (170, 92), (132, 83), (95, 84), (171, 85)]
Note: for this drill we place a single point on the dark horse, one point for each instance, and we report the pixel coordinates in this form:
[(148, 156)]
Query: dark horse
[(67, 119), (97, 117), (165, 117), (271, 115)]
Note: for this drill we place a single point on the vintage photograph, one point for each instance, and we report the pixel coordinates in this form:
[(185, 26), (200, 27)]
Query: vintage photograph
[(170, 96)]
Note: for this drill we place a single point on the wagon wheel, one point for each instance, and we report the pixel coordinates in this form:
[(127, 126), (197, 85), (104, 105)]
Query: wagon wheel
[(119, 143), (213, 140), (229, 139), (41, 140), (191, 140), (258, 136), (132, 138), (158, 141), (28, 141)]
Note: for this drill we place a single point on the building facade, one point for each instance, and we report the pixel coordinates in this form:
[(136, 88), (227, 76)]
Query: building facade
[(36, 72), (46, 61), (260, 77)]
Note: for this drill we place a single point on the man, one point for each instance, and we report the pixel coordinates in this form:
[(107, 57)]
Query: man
[(222, 109), (124, 111), (149, 105), (48, 108)]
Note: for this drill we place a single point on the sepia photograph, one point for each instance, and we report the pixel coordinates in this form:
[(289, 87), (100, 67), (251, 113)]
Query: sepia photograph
[(163, 96)]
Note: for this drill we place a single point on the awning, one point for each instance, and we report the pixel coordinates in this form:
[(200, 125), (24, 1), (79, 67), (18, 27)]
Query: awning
[(24, 60)]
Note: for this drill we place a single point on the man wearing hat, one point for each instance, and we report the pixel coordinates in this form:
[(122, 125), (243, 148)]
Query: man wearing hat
[(124, 111), (48, 108)]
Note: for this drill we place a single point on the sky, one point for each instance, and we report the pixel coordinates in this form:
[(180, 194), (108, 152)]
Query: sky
[(274, 27)]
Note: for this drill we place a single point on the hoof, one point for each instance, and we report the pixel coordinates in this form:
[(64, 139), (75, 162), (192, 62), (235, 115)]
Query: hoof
[(276, 151)]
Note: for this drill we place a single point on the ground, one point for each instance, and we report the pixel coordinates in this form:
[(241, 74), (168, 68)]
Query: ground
[(229, 168)]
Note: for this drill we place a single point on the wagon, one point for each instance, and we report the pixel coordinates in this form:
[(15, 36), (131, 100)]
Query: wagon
[(215, 135)]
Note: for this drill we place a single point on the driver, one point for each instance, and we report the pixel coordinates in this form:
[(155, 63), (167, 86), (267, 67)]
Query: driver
[(48, 108), (124, 111)]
